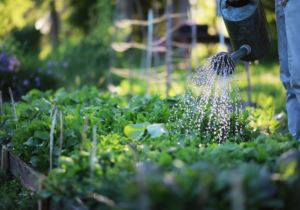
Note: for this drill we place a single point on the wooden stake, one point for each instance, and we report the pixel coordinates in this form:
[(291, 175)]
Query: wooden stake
[(236, 192), (93, 153), (111, 53), (4, 159), (42, 204), (13, 103), (149, 50), (51, 139), (168, 58), (138, 5), (131, 57), (143, 196), (1, 103), (194, 36), (84, 132), (249, 83), (61, 136), (52, 111)]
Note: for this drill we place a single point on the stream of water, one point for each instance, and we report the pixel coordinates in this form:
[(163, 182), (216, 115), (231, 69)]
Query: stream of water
[(210, 100)]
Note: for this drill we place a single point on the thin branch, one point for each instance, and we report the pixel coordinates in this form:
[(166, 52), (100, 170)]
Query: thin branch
[(54, 106), (1, 104), (128, 23), (61, 135), (84, 132), (51, 139), (93, 153), (13, 103)]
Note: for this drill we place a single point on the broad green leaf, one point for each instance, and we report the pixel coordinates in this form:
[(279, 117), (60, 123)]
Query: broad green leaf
[(171, 101), (136, 130), (42, 135), (157, 130), (12, 144), (165, 159), (72, 141), (66, 161), (70, 132), (43, 105), (34, 161), (30, 142), (45, 193), (135, 103)]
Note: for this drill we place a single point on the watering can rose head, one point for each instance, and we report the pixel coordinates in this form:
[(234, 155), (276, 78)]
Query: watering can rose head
[(222, 64)]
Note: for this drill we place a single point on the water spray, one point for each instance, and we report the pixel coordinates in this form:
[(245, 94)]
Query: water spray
[(211, 104)]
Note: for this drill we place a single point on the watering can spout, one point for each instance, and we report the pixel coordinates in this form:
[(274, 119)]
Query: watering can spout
[(223, 63), (243, 51)]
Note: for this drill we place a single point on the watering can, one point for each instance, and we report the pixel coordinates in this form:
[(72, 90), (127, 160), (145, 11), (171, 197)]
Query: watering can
[(247, 27)]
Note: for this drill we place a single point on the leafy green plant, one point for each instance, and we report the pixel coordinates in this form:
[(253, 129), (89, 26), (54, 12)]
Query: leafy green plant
[(264, 120), (14, 196), (173, 172), (140, 152)]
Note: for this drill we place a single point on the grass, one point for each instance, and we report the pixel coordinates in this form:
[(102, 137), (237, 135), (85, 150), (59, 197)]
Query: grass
[(265, 84)]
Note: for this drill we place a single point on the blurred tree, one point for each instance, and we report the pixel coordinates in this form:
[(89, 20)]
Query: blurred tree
[(12, 15), (28, 37), (82, 12), (54, 30), (269, 7)]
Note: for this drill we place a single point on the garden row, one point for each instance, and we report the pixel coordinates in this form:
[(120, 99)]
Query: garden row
[(110, 154), (13, 195)]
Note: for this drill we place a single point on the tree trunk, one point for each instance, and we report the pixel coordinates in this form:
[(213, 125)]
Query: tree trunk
[(180, 6), (54, 30)]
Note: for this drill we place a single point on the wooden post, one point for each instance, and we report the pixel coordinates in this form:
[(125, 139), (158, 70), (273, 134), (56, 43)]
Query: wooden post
[(236, 191), (111, 53), (52, 139), (149, 51), (43, 204), (194, 37), (61, 136), (168, 58), (93, 152), (14, 107), (52, 111), (131, 50), (83, 137), (144, 34), (4, 159), (1, 104), (249, 84), (156, 35)]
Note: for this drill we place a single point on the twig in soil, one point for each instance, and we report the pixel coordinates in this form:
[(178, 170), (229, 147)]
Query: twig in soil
[(54, 106), (51, 139), (61, 136), (85, 127), (13, 103), (1, 103), (93, 153), (144, 200), (236, 192), (102, 199)]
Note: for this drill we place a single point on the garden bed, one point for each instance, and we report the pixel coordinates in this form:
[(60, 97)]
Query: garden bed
[(130, 156), (30, 179), (13, 164)]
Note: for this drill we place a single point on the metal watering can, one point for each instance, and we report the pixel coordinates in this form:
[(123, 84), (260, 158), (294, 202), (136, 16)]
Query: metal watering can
[(248, 30)]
